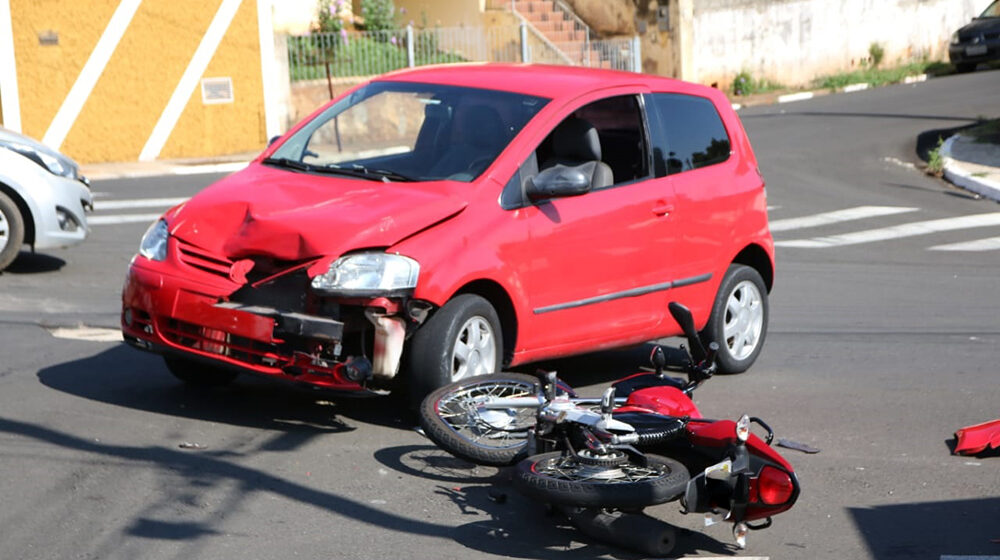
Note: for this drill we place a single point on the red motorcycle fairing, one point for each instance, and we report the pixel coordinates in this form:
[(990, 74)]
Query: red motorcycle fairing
[(668, 401), (973, 440)]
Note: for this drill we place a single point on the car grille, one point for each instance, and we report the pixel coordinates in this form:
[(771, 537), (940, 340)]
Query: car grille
[(214, 341), (202, 260)]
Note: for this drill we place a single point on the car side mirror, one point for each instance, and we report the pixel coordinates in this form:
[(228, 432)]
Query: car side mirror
[(556, 182)]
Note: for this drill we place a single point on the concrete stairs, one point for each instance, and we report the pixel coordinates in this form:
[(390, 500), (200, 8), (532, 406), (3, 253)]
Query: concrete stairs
[(560, 28)]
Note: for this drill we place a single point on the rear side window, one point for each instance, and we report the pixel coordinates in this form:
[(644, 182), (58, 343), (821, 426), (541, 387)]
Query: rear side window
[(690, 134)]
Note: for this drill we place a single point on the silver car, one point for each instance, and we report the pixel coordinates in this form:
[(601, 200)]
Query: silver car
[(43, 197)]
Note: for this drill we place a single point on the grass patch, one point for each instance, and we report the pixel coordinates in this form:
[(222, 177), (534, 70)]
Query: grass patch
[(880, 76), (935, 162), (746, 84)]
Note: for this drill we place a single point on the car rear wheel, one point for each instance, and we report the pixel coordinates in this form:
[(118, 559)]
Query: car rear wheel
[(198, 374), (11, 231), (739, 319), (460, 340)]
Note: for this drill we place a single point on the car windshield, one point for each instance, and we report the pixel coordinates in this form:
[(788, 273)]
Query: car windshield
[(402, 131), (992, 11)]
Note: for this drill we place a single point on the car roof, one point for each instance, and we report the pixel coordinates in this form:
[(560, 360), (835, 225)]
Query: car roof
[(543, 80)]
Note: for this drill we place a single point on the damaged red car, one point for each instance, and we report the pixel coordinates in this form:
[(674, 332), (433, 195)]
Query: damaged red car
[(448, 221)]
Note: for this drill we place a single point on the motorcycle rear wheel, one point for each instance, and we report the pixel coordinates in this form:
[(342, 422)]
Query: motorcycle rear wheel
[(566, 480), (452, 417)]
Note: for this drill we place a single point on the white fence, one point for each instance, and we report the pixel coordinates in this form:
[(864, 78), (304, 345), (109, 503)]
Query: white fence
[(366, 53)]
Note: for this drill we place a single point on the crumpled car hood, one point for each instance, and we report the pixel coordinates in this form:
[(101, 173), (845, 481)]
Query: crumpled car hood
[(296, 216)]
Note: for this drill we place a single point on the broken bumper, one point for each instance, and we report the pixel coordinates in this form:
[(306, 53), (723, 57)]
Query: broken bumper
[(167, 313)]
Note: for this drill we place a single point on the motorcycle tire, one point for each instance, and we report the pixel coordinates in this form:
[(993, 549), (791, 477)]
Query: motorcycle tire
[(562, 480), (449, 417)]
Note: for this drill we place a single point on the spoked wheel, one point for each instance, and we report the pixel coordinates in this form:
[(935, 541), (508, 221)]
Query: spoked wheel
[(574, 480), (455, 417)]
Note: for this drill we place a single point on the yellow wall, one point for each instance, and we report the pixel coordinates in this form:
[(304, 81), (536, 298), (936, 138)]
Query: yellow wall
[(145, 68)]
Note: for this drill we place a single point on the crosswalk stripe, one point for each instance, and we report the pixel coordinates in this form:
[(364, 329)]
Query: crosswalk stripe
[(988, 244), (138, 203), (121, 219), (845, 215), (895, 232)]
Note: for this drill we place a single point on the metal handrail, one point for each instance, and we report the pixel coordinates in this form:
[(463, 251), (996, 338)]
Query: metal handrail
[(563, 8), (540, 36)]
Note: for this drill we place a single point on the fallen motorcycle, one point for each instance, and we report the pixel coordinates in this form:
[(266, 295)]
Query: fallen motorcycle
[(601, 461)]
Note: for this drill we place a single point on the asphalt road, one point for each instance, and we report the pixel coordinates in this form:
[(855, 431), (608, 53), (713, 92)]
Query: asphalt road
[(884, 338)]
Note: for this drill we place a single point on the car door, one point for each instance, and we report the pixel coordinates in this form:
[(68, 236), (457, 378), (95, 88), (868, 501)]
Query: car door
[(597, 265)]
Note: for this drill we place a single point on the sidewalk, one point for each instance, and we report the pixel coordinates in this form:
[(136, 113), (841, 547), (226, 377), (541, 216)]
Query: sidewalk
[(132, 169), (972, 165)]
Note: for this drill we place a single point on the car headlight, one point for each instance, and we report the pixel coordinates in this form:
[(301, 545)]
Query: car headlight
[(955, 39), (369, 274), (47, 160), (154, 242)]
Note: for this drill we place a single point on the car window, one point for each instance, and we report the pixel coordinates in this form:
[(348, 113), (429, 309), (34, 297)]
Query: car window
[(620, 131), (688, 134), (418, 131), (993, 10)]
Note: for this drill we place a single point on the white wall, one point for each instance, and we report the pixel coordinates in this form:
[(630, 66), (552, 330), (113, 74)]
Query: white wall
[(794, 41)]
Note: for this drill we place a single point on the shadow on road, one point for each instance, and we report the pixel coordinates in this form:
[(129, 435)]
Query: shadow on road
[(931, 529), (122, 376), (34, 263)]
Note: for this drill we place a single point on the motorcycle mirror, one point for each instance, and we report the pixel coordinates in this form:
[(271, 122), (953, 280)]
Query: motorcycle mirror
[(683, 316)]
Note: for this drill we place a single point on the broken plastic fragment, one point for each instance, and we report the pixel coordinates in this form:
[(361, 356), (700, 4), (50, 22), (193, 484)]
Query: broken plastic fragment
[(973, 440), (797, 446)]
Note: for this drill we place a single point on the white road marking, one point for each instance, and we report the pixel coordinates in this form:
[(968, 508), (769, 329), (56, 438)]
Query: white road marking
[(89, 334), (139, 203), (121, 219), (951, 557), (988, 244), (896, 232), (846, 215)]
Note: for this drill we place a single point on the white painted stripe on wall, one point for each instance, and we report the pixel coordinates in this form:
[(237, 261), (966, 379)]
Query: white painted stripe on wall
[(846, 215), (138, 203), (189, 81), (122, 219), (895, 232), (10, 103), (268, 70), (92, 70), (989, 244)]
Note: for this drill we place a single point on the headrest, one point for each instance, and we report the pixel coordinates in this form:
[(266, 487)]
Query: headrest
[(576, 139), (482, 127)]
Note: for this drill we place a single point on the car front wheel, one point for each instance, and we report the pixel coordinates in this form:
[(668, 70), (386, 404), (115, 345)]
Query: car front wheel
[(460, 340), (11, 231), (739, 319)]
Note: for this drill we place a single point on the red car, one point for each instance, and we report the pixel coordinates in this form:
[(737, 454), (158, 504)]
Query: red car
[(449, 221)]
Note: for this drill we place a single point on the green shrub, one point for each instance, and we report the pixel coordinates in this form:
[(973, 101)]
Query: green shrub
[(876, 52)]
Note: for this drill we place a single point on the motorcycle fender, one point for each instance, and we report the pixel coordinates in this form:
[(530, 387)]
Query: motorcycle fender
[(973, 440)]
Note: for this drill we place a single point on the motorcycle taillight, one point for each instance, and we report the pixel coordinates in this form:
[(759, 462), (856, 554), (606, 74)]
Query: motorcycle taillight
[(772, 486)]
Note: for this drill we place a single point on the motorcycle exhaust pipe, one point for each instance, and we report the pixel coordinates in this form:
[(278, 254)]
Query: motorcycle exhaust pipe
[(634, 531)]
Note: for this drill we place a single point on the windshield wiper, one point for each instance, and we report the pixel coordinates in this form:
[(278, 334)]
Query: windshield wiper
[(289, 163), (357, 170)]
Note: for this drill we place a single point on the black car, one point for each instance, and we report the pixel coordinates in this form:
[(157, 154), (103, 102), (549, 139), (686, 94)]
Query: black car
[(977, 42)]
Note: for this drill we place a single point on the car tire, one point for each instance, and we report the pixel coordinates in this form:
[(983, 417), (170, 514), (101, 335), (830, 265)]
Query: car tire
[(199, 374), (738, 322), (461, 339), (11, 231)]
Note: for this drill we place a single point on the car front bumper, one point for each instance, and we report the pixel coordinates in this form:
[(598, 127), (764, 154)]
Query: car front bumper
[(968, 53), (167, 308)]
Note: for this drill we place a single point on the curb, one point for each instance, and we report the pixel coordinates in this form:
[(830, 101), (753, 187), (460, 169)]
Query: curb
[(803, 95), (961, 177)]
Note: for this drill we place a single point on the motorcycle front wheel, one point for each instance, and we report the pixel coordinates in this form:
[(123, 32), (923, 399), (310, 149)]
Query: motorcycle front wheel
[(456, 419), (571, 480)]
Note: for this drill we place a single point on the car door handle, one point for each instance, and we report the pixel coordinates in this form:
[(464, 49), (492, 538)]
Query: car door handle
[(662, 209)]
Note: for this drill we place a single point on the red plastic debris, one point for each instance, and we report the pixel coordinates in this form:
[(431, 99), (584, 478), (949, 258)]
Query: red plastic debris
[(973, 440)]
